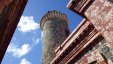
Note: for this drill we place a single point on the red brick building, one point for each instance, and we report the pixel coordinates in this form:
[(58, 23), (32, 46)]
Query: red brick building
[(92, 41), (10, 13)]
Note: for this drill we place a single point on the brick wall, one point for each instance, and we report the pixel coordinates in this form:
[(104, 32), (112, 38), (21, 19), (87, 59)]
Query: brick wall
[(4, 3), (10, 13), (100, 14), (99, 51)]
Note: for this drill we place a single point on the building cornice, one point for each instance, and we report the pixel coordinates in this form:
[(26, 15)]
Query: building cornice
[(79, 6)]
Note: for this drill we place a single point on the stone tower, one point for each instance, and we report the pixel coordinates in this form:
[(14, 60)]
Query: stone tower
[(54, 25)]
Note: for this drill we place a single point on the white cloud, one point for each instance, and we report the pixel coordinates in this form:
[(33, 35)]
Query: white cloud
[(24, 61), (27, 24), (14, 38), (41, 34), (19, 52), (37, 41)]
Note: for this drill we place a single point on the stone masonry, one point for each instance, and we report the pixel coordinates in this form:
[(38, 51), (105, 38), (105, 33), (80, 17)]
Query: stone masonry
[(54, 25), (100, 14)]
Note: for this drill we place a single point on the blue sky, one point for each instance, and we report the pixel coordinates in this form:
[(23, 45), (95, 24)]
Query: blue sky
[(25, 46)]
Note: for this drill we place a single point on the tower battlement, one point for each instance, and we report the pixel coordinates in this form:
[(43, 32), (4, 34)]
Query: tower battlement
[(52, 14)]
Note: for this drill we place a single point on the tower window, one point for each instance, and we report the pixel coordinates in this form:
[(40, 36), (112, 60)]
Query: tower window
[(67, 33)]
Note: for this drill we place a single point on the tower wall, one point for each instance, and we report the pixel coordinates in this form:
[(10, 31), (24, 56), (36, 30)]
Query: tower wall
[(55, 30)]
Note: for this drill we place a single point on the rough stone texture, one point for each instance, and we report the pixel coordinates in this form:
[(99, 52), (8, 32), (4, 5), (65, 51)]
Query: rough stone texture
[(111, 59), (55, 31), (10, 13), (105, 49), (91, 55), (100, 14)]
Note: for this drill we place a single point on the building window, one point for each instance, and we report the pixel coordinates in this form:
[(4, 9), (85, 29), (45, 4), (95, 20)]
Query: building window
[(94, 62), (111, 0)]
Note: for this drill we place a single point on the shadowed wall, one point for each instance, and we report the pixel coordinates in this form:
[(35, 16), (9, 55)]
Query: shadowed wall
[(10, 13)]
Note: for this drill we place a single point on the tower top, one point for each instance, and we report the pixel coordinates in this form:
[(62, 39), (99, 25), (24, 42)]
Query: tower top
[(52, 14)]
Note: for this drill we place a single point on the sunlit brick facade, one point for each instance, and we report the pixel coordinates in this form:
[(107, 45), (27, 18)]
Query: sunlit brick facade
[(92, 41)]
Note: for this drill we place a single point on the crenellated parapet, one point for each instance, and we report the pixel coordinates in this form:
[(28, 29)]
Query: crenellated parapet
[(52, 14)]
